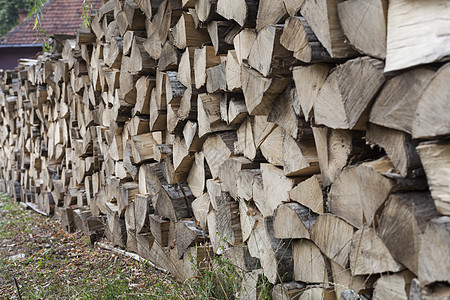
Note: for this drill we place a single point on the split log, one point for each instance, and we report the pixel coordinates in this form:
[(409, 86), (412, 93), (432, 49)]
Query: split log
[(397, 112), (217, 149), (309, 194), (201, 208), (160, 229), (228, 225), (222, 34), (308, 81), (299, 38), (435, 243), (435, 157), (275, 254), (403, 224), (293, 221), (142, 209), (229, 173), (299, 158), (333, 236), (288, 290), (358, 26), (399, 147), (406, 29), (276, 188), (434, 99), (196, 178), (344, 281), (243, 42), (309, 263), (369, 255), (361, 202), (323, 18), (346, 95), (260, 93), (267, 55), (393, 286), (187, 236), (243, 11), (269, 12), (204, 58), (184, 34)]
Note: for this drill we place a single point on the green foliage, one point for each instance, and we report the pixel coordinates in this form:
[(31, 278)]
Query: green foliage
[(9, 14), (87, 11)]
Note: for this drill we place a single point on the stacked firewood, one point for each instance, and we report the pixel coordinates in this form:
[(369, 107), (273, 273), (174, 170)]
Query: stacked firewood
[(305, 141)]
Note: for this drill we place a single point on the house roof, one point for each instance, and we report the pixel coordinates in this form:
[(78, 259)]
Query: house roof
[(58, 17)]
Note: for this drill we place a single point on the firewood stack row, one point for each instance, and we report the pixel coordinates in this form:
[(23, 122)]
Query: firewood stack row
[(305, 141)]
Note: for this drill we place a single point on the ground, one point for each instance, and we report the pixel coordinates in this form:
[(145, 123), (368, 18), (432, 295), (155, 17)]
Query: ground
[(48, 263)]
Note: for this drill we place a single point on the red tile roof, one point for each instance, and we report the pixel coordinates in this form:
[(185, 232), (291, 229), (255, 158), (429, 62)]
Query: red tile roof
[(58, 17)]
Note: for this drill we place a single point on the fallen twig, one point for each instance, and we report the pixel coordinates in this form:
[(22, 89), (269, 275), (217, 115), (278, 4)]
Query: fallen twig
[(17, 287), (131, 255)]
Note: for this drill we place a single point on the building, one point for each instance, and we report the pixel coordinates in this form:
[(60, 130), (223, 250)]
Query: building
[(58, 17)]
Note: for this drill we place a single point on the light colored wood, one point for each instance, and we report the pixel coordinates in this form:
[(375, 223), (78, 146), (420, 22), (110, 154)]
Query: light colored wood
[(344, 280), (392, 287), (323, 18), (242, 11), (233, 72), (217, 149), (299, 158), (272, 147), (267, 55), (309, 262), (269, 12), (435, 244), (187, 236), (243, 42), (184, 34), (229, 173), (216, 78), (318, 293), (299, 38), (245, 182), (260, 92), (245, 143), (408, 24), (364, 25), (369, 255), (293, 221), (201, 208), (275, 254), (399, 147), (353, 199), (308, 81), (397, 102), (142, 208), (403, 224), (204, 58), (429, 119), (288, 290), (309, 194), (196, 177), (333, 236), (334, 148), (346, 95), (276, 187), (435, 157)]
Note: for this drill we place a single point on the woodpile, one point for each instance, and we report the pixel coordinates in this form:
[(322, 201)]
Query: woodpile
[(306, 141)]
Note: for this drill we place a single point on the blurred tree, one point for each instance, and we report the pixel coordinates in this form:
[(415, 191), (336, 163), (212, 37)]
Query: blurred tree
[(9, 13)]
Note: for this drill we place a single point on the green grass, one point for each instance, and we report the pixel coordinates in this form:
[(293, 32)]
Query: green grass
[(59, 265)]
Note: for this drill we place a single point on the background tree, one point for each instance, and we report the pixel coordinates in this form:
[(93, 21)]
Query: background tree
[(9, 13)]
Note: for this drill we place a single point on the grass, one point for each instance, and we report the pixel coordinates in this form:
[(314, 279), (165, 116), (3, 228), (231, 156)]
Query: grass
[(54, 264)]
